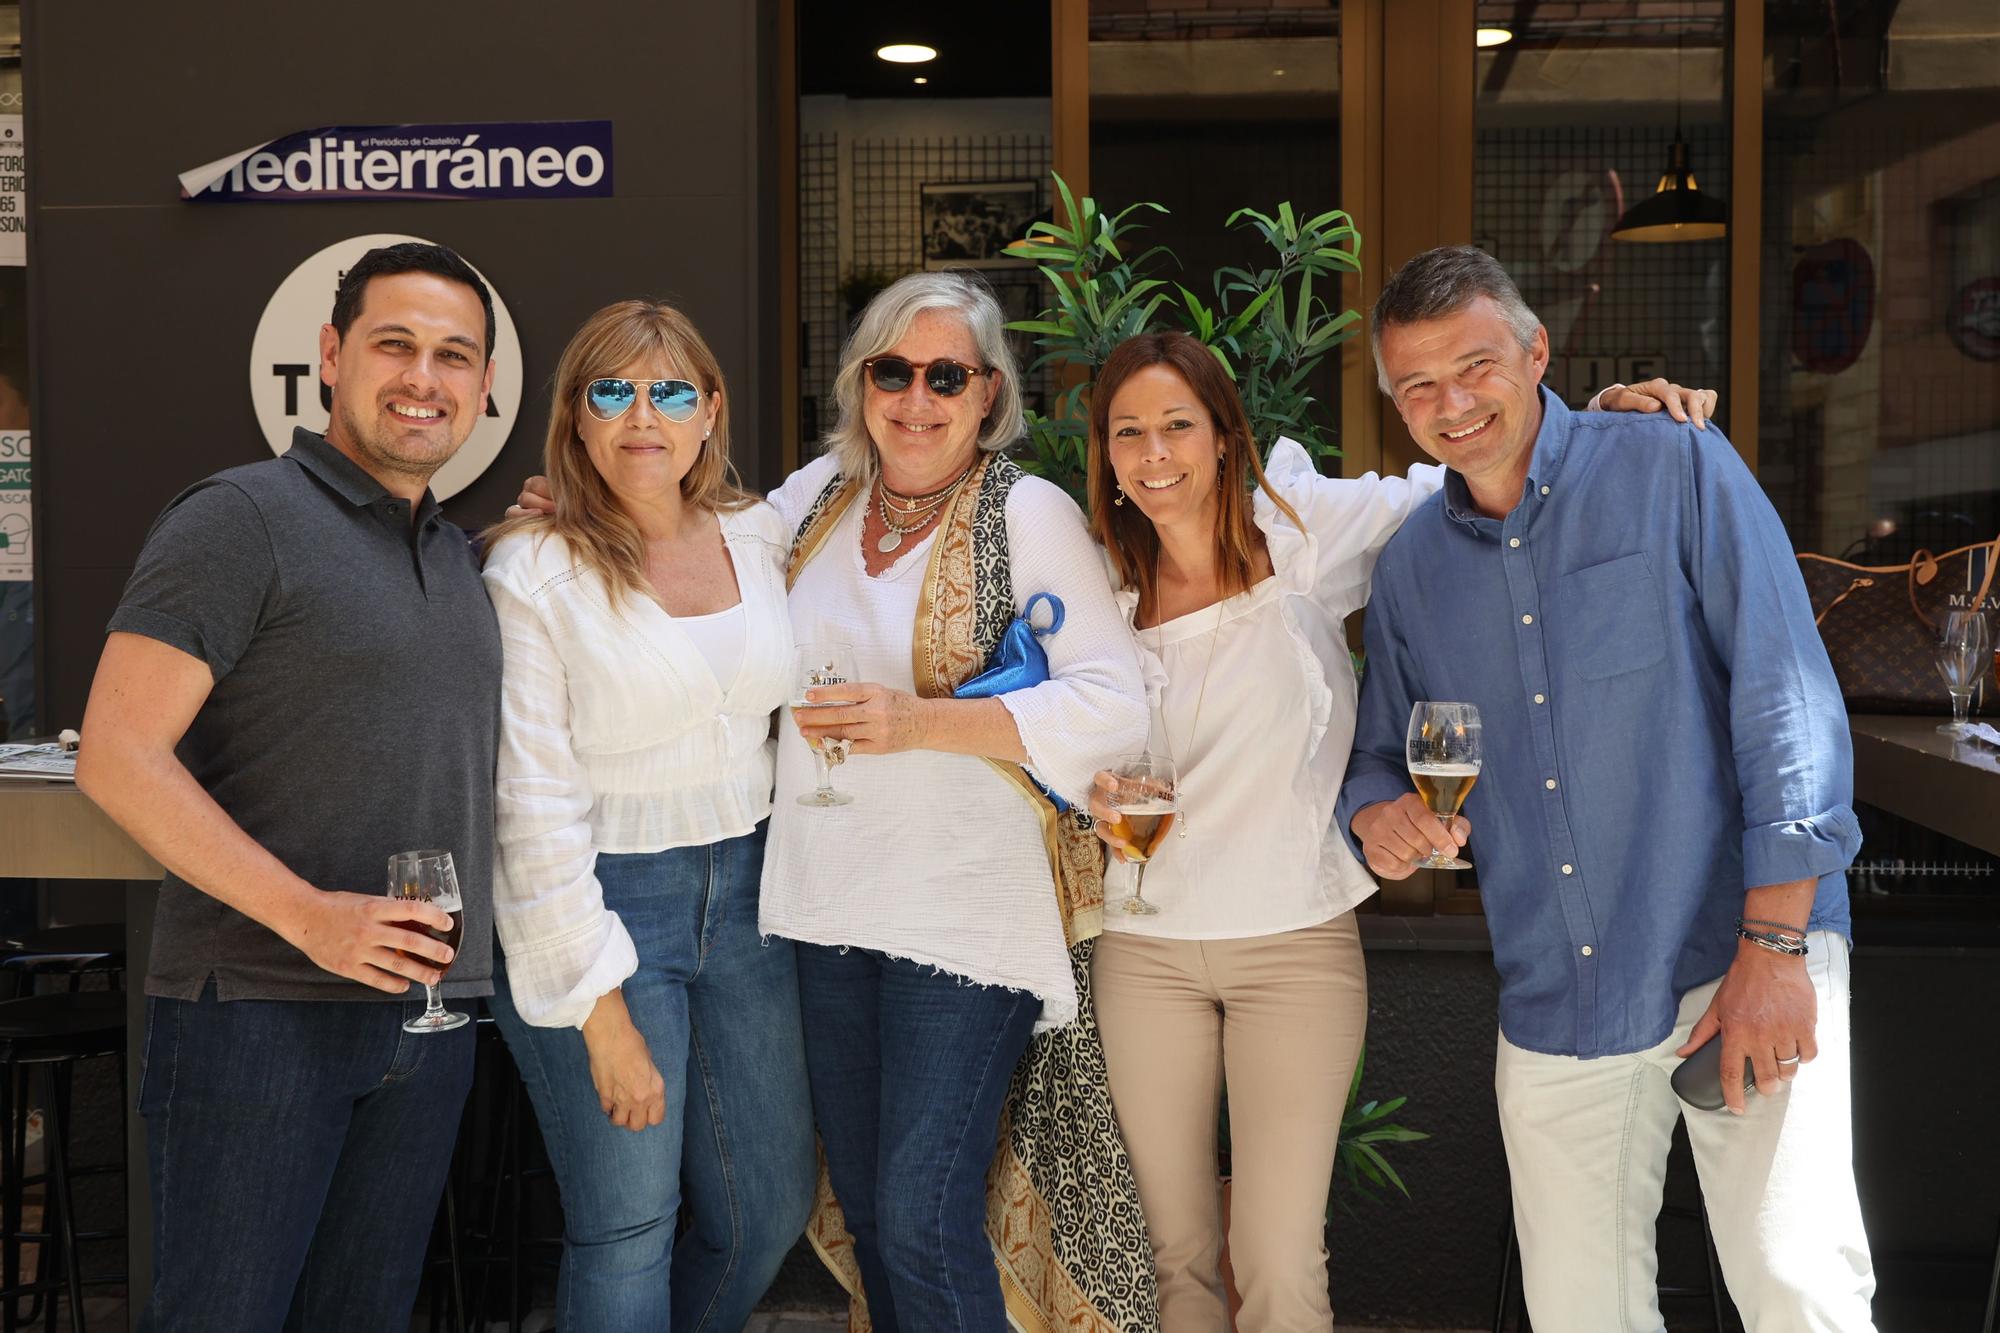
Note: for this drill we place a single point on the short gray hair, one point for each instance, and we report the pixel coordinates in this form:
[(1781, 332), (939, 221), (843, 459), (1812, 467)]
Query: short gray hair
[(884, 323), (1443, 282)]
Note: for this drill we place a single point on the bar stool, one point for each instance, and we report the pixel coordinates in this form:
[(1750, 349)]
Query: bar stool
[(52, 1032)]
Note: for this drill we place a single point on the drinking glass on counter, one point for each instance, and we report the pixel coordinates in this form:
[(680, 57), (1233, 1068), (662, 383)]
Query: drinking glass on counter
[(1961, 653)]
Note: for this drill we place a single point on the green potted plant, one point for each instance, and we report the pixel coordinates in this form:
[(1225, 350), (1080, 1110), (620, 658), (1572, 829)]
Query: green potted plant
[(1269, 327)]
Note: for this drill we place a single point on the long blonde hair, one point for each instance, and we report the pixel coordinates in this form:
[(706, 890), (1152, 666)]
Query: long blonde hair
[(603, 537), (1127, 534)]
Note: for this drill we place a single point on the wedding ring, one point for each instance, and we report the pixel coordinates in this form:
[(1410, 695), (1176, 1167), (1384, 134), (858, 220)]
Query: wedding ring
[(1792, 1060)]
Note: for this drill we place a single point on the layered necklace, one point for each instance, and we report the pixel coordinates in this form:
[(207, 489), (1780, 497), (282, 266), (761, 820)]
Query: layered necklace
[(904, 514)]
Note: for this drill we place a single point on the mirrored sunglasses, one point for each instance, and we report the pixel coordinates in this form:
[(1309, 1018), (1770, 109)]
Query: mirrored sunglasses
[(945, 378), (609, 399)]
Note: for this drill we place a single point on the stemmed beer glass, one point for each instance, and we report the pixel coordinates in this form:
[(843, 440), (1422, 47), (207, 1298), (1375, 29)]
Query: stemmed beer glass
[(430, 877), (1443, 749), (1144, 793), (1962, 654), (814, 666)]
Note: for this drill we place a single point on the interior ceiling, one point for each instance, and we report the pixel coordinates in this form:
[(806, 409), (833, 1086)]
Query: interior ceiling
[(995, 50)]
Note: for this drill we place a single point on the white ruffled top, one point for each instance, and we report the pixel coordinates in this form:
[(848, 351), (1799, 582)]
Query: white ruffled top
[(1269, 673), (616, 735)]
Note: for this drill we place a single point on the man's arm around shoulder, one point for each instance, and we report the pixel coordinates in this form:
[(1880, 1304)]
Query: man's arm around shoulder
[(142, 701)]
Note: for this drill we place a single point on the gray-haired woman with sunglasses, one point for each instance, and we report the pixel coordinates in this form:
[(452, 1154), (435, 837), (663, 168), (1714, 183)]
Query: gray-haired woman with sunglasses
[(646, 644)]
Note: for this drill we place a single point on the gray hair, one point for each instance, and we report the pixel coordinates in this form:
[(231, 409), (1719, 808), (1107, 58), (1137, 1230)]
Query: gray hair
[(1443, 282), (884, 323)]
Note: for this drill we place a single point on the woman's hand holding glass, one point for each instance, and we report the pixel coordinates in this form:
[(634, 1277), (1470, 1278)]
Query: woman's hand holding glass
[(870, 718)]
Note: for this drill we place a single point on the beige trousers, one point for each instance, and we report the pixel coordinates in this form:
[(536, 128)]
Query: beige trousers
[(1280, 1017)]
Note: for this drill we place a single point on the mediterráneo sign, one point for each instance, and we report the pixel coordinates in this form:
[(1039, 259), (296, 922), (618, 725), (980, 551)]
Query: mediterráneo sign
[(547, 159)]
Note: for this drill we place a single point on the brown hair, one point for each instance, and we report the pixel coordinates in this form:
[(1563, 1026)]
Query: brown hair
[(588, 517), (1127, 534)]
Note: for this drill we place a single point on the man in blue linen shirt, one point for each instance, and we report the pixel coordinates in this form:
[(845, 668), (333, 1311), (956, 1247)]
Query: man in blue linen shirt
[(1665, 752)]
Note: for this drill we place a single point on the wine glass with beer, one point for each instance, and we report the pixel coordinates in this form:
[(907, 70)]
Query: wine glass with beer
[(1144, 793), (430, 877), (816, 666), (1444, 756)]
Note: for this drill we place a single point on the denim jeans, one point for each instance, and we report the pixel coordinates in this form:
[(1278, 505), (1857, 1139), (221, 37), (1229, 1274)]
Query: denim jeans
[(719, 1009), (910, 1068), (297, 1151)]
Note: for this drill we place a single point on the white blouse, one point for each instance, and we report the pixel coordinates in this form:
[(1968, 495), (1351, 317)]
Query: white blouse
[(939, 860), (1259, 774), (617, 735)]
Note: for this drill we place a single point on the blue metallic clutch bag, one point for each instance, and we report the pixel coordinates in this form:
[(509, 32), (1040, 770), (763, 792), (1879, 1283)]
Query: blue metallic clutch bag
[(1018, 662)]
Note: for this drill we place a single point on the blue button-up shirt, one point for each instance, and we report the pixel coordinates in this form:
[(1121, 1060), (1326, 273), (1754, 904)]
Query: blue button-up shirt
[(1662, 728)]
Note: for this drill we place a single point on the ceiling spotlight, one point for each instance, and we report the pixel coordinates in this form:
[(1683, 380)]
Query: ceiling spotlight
[(1278, 73), (920, 79), (1493, 36), (906, 53)]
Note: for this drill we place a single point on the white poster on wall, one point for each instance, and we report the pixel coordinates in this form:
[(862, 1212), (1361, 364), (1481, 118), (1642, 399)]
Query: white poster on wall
[(285, 387), (13, 194), (17, 556)]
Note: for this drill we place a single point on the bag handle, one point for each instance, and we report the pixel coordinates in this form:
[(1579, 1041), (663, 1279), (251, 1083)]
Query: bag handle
[(1055, 611), (1924, 568), (1852, 588)]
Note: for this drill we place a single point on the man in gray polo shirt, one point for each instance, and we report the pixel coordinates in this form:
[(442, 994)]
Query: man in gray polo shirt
[(303, 678)]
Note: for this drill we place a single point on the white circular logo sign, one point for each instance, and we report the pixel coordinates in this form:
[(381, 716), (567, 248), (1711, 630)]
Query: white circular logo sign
[(285, 386)]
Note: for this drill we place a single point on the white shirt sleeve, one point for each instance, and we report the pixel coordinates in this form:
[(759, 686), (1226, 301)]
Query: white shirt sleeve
[(1350, 519), (1092, 708), (564, 948), (795, 495)]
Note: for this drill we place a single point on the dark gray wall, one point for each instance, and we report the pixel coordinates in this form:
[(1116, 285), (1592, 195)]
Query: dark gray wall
[(143, 307)]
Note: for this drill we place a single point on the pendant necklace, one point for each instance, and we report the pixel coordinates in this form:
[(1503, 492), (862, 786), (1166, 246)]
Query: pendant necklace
[(915, 510)]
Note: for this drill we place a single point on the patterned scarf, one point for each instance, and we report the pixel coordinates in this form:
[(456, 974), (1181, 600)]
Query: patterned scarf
[(1062, 1209)]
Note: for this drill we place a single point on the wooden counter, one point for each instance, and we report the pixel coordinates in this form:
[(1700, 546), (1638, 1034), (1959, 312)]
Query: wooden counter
[(50, 830), (1903, 766)]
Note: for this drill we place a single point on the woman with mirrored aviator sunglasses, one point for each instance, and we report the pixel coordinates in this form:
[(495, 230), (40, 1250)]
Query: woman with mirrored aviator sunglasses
[(646, 645)]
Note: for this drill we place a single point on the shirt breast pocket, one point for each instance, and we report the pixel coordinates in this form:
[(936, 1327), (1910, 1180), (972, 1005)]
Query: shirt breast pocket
[(1611, 618)]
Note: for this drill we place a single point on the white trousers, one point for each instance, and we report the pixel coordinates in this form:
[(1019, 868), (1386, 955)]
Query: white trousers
[(1587, 1146)]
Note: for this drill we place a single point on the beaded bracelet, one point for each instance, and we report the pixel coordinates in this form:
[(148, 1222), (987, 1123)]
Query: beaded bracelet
[(1773, 941)]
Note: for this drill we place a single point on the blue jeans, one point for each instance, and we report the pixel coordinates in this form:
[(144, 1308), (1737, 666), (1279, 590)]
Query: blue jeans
[(909, 1069), (297, 1150), (719, 1009)]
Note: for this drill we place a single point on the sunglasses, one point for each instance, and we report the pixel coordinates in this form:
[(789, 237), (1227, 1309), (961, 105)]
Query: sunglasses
[(945, 378), (608, 399)]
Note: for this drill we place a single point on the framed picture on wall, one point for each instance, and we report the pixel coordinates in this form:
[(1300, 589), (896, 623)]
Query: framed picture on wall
[(967, 224)]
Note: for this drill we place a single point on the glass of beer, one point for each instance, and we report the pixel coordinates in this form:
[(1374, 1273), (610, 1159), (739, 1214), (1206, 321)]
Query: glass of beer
[(1145, 797), (430, 877), (1444, 756), (815, 666)]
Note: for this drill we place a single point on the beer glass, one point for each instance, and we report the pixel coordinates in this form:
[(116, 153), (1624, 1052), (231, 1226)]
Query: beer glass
[(1444, 757), (1961, 655), (1144, 794), (815, 665), (430, 877)]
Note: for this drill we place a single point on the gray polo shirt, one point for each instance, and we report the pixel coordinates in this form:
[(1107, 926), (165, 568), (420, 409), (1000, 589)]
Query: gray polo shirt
[(355, 710)]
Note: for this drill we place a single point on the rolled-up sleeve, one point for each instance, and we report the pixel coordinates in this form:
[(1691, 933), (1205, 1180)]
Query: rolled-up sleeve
[(564, 948), (1093, 707), (1788, 723)]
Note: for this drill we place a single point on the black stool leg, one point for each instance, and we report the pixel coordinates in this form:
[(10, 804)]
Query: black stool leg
[(1993, 1288), (451, 1244), (56, 1134), (1714, 1269), (1502, 1297), (12, 1159)]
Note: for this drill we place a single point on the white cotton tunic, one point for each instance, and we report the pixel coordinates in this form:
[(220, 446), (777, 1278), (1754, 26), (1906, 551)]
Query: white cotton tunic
[(939, 859), (617, 734), (1259, 775)]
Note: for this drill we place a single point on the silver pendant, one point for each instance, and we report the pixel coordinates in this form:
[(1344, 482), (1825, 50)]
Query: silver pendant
[(888, 541)]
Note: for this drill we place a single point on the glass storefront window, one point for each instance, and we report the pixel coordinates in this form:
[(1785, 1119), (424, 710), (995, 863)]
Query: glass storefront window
[(1577, 112)]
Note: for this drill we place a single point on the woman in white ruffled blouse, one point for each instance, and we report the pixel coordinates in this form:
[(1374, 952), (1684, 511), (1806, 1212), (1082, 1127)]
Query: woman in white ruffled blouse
[(646, 645), (1237, 580)]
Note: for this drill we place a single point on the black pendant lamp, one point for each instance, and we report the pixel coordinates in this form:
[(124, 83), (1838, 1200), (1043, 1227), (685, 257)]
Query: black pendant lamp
[(1676, 210)]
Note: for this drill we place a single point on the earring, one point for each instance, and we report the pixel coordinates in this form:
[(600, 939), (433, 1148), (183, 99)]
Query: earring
[(1121, 496)]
